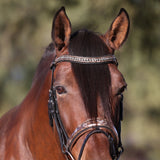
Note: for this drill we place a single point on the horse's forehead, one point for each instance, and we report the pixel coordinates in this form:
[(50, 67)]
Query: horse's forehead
[(64, 67), (64, 72)]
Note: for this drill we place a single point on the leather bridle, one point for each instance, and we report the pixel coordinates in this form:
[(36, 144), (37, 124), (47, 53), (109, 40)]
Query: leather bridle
[(88, 127)]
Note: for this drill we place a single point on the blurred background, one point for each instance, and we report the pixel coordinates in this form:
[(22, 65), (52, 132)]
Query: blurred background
[(25, 29)]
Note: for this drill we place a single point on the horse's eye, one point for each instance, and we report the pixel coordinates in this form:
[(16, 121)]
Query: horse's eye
[(60, 90), (121, 90)]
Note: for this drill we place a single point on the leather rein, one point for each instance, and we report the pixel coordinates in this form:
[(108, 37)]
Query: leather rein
[(88, 127)]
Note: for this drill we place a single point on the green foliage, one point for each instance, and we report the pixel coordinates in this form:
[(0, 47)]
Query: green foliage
[(25, 28)]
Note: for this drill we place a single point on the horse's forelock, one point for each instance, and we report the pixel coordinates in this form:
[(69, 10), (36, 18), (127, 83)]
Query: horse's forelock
[(93, 80)]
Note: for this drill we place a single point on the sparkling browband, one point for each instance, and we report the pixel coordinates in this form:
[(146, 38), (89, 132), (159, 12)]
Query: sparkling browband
[(85, 60)]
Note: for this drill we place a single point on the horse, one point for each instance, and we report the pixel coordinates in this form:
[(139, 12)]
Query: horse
[(74, 107)]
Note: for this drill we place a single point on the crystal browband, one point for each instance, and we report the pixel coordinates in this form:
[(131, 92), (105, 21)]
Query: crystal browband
[(85, 60)]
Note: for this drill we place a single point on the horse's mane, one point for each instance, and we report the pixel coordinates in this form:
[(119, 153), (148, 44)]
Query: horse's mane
[(93, 80), (44, 64)]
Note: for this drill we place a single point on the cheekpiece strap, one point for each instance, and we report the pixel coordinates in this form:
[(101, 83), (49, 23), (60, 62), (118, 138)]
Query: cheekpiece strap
[(85, 60)]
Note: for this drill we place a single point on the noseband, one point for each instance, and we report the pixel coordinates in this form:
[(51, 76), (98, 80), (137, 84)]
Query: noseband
[(88, 127)]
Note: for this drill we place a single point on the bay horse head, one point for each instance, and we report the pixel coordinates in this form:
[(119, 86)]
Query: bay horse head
[(85, 98), (85, 103)]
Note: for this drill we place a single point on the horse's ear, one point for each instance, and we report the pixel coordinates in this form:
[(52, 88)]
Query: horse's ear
[(61, 29), (119, 29)]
